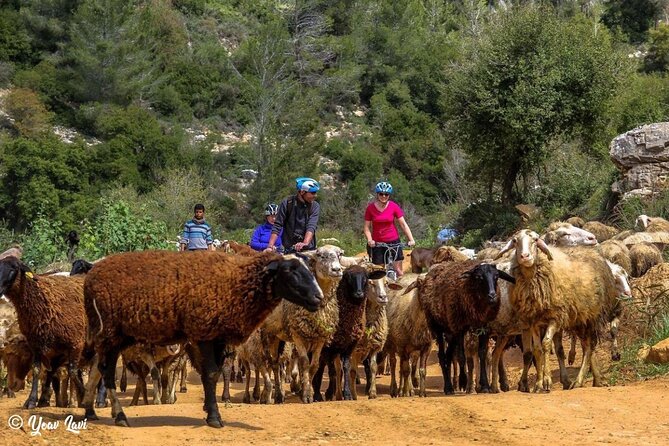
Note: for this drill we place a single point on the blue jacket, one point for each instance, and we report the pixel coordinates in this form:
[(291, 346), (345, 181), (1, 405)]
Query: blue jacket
[(260, 237)]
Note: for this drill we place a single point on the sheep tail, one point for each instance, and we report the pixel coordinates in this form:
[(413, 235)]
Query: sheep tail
[(99, 318)]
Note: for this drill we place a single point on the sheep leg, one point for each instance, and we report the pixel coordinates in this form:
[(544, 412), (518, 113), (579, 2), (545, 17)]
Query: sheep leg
[(184, 374), (368, 372), (483, 370), (45, 396), (91, 385), (294, 374), (414, 371), (497, 370), (615, 353), (572, 350), (373, 367), (346, 373), (266, 396), (596, 372), (333, 391), (139, 386), (394, 388), (247, 394), (100, 399), (209, 376), (123, 385), (559, 353), (155, 375), (338, 366), (423, 371), (463, 378), (405, 371), (31, 402), (354, 375), (587, 342), (317, 380), (279, 396), (445, 368), (108, 370), (256, 384), (528, 355), (544, 380), (227, 373)]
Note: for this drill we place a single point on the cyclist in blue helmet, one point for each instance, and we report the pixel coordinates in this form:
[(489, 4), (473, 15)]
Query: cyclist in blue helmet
[(380, 218), (261, 235), (298, 217)]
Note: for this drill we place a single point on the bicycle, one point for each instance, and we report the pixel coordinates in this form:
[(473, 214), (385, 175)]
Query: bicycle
[(390, 256)]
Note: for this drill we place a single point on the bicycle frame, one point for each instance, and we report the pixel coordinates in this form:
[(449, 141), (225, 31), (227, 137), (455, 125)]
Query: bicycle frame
[(390, 257)]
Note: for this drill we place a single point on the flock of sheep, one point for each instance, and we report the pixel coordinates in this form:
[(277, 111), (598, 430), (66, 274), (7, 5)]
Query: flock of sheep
[(289, 317)]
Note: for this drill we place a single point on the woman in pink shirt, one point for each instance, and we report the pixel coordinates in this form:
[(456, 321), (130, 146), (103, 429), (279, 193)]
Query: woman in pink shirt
[(380, 218)]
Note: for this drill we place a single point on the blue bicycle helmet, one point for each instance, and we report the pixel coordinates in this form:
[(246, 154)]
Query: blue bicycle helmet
[(307, 184), (384, 187), (271, 209)]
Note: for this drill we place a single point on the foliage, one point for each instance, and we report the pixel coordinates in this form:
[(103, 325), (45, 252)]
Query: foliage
[(632, 17), (628, 210), (486, 220), (529, 77), (31, 118), (657, 58), (44, 243), (44, 177)]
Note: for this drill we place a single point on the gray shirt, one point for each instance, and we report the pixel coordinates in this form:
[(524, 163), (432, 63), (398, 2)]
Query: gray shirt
[(301, 218)]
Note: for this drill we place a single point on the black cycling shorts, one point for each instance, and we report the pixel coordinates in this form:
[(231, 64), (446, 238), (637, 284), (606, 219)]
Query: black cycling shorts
[(378, 254)]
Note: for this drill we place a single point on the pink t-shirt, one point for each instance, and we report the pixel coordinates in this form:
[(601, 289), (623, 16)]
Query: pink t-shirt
[(383, 223)]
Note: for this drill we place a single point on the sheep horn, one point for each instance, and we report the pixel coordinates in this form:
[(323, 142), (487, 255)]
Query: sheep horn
[(542, 245), (508, 247)]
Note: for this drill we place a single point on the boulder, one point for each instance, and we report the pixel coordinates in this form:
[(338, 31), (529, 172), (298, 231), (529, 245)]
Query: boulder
[(642, 155), (659, 353)]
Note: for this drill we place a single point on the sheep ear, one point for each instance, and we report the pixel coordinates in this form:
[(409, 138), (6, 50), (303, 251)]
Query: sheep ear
[(273, 266), (542, 246), (508, 247), (508, 277), (376, 275)]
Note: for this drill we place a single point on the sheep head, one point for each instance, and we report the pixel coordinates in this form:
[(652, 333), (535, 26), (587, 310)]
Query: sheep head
[(642, 220), (355, 280), (568, 235), (485, 275), (622, 279), (324, 262), (292, 280), (10, 269), (526, 243), (376, 287)]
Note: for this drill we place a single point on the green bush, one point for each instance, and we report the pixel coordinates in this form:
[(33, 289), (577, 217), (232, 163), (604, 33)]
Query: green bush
[(43, 243), (626, 212), (486, 220)]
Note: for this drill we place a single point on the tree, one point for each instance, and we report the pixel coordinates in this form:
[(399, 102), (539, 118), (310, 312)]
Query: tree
[(530, 77), (632, 17), (30, 116)]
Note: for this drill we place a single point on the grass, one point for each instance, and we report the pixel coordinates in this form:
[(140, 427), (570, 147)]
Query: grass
[(630, 368)]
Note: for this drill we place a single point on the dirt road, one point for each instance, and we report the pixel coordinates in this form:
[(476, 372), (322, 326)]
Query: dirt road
[(636, 414)]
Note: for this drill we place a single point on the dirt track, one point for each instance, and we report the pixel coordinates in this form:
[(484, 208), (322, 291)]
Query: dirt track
[(634, 414)]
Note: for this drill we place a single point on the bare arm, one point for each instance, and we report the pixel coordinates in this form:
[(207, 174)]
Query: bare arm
[(406, 230), (368, 233)]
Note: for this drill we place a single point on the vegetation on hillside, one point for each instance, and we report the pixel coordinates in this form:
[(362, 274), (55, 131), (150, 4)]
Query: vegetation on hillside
[(467, 107)]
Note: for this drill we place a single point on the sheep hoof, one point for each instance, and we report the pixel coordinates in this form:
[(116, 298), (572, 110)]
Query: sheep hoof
[(372, 396), (215, 421), (484, 389), (99, 404), (121, 420), (246, 399), (43, 403), (91, 415), (279, 398), (29, 404), (504, 387), (318, 396), (183, 390)]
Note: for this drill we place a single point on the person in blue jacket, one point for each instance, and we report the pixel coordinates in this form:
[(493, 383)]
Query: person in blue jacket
[(262, 233)]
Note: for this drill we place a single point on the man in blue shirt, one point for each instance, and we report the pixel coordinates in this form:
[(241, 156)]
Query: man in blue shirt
[(197, 233)]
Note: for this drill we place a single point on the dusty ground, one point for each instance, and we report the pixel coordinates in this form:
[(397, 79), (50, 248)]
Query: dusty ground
[(637, 414)]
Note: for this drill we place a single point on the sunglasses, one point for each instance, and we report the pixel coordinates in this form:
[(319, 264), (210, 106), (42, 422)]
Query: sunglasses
[(383, 194)]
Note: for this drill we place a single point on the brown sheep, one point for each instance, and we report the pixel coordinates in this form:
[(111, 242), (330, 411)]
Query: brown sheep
[(616, 252), (600, 230), (550, 298), (421, 258), (487, 253), (576, 221), (456, 297), (448, 254), (211, 299), (233, 247), (55, 302), (643, 256)]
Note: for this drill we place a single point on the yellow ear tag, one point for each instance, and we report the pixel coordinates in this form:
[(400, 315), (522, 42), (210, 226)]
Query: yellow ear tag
[(29, 275)]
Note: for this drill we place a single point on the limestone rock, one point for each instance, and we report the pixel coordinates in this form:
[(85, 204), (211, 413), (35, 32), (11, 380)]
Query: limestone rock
[(659, 353), (642, 155)]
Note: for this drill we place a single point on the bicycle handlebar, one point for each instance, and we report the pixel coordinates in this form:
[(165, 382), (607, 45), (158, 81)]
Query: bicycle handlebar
[(391, 245)]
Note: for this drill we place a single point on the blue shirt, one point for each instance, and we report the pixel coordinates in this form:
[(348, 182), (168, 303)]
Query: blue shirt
[(197, 235), (261, 235)]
